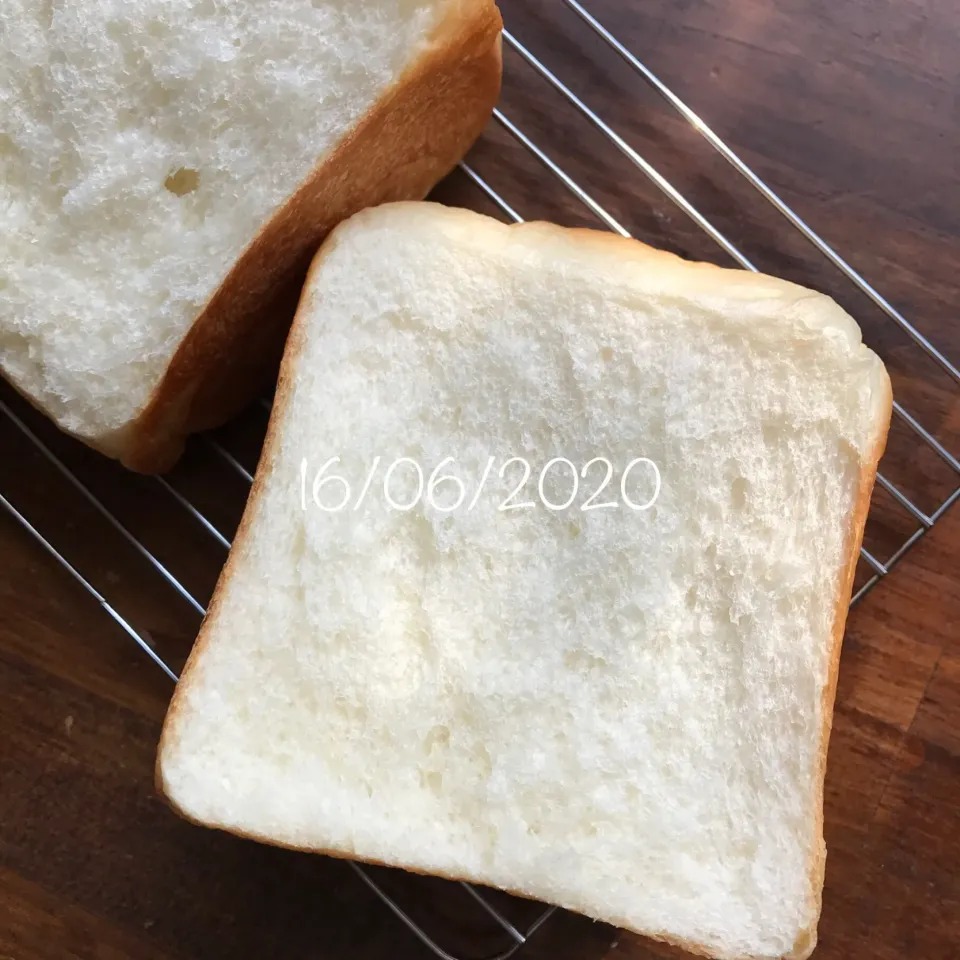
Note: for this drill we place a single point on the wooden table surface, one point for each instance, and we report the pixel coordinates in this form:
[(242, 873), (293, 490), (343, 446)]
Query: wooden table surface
[(851, 110)]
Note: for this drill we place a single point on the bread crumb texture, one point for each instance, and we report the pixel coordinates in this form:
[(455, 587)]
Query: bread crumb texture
[(616, 712), (143, 146)]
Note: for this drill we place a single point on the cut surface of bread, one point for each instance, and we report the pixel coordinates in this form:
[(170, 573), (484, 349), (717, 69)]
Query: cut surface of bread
[(624, 712), (168, 166)]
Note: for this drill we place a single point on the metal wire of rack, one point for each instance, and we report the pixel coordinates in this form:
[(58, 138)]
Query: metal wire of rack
[(878, 568)]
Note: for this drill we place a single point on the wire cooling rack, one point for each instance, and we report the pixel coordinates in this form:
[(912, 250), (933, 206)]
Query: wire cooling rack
[(873, 568)]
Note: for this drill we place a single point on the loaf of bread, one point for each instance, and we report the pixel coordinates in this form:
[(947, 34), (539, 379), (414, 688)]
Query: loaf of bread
[(169, 167), (617, 701)]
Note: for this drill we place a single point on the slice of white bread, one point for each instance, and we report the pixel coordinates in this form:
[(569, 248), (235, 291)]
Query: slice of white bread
[(624, 713), (169, 167)]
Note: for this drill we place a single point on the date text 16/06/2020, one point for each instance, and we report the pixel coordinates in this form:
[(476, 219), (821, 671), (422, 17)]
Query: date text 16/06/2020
[(403, 484)]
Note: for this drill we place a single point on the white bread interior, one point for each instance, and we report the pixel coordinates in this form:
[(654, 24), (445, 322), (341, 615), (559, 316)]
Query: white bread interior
[(622, 713), (144, 146)]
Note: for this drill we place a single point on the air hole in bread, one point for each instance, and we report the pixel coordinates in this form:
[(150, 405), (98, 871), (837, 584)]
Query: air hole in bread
[(182, 181), (484, 763), (350, 709), (438, 736), (432, 780), (738, 492), (581, 660), (403, 320)]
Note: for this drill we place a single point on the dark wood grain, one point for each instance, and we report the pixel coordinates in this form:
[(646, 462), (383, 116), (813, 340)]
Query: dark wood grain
[(851, 111)]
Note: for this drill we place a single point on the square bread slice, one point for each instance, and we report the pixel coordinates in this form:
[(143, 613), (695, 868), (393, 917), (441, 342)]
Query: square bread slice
[(168, 169), (621, 711)]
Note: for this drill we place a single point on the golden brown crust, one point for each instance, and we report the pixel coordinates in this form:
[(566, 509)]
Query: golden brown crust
[(630, 249), (408, 141), (854, 539)]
